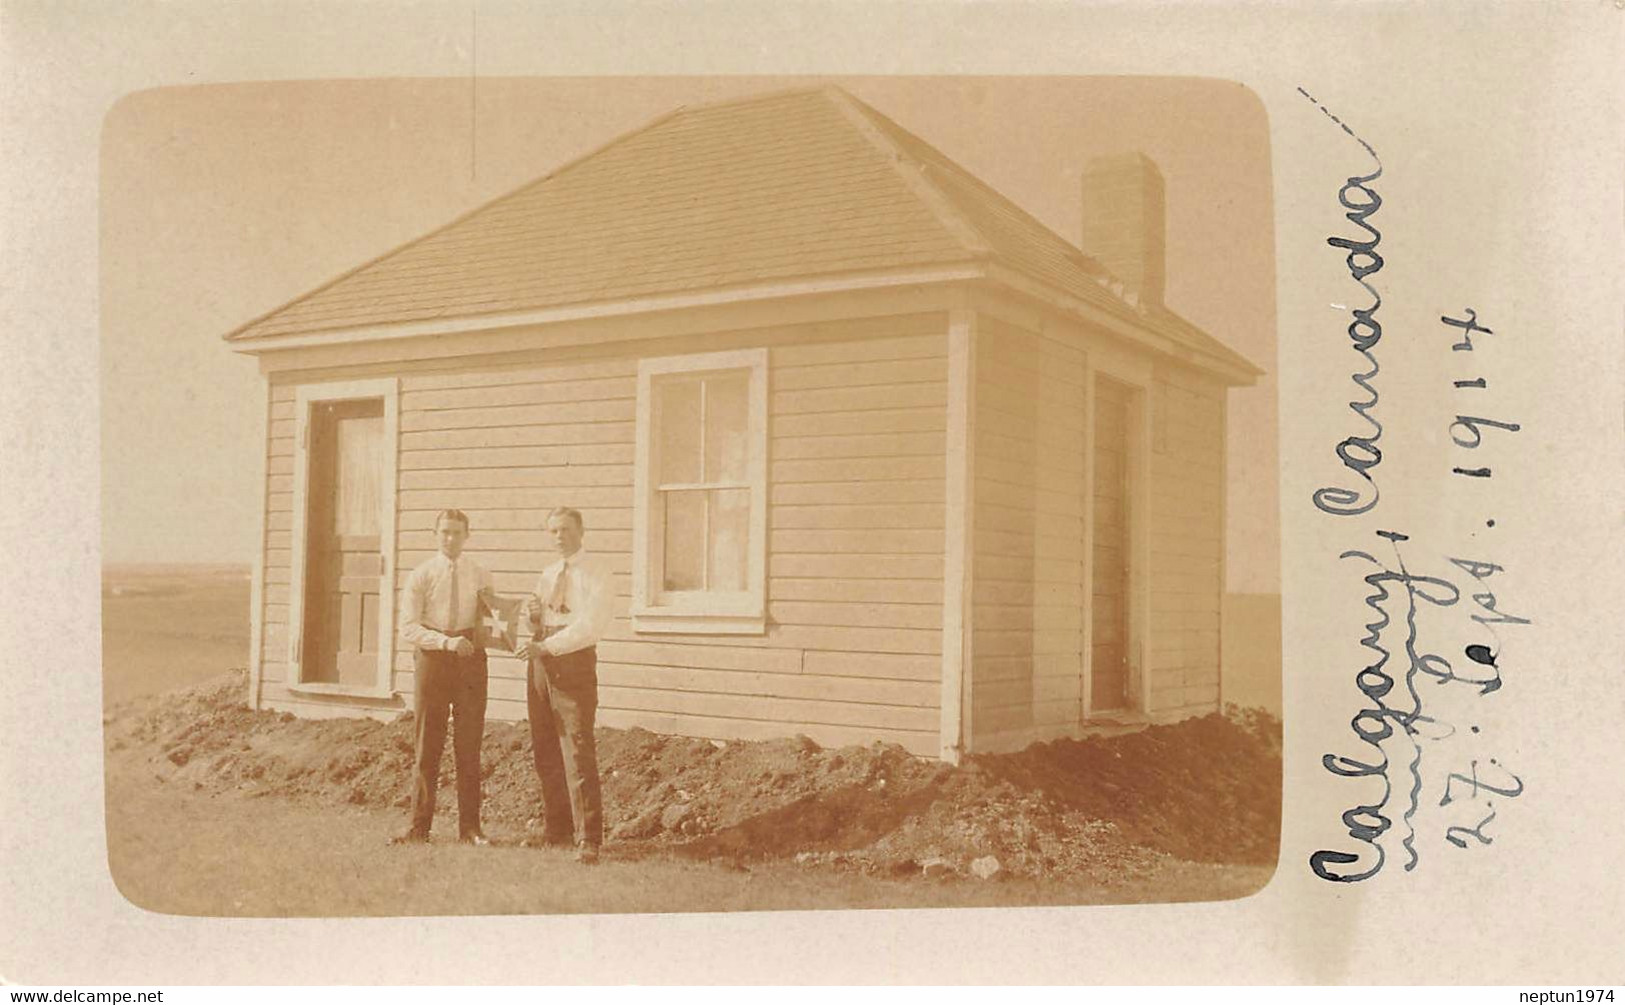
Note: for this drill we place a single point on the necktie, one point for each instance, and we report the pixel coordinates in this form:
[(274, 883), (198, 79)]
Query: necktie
[(556, 601), (456, 602)]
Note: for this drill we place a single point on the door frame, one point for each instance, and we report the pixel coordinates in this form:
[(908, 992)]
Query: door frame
[(306, 397), (1135, 373)]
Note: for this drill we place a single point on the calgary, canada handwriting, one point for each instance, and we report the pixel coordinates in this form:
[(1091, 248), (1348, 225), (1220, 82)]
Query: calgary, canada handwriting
[(1421, 763)]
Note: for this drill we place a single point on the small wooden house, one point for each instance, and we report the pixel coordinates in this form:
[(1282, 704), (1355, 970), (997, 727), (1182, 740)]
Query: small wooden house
[(873, 453)]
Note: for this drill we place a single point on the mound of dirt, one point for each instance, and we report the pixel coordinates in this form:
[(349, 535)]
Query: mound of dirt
[(1204, 790)]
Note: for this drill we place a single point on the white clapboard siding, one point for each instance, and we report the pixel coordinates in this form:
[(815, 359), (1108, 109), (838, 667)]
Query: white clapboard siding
[(879, 517), (853, 493), (871, 421), (447, 458), (928, 345), (841, 373), (808, 687), (867, 615), (503, 437), (863, 542), (869, 565), (453, 377), (857, 399), (553, 392), (852, 650), (1028, 594), (277, 557), (1027, 611), (553, 477), (895, 666), (802, 448), (1187, 542), (903, 591), (609, 410), (862, 469)]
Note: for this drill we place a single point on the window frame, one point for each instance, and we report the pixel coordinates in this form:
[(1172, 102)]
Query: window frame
[(696, 612)]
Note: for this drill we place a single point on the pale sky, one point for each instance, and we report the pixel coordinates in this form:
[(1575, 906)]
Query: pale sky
[(220, 203)]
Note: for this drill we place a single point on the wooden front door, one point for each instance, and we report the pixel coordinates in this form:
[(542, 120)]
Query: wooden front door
[(344, 562), (1112, 549)]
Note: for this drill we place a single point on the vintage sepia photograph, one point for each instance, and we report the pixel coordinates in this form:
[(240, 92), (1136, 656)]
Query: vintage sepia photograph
[(667, 494)]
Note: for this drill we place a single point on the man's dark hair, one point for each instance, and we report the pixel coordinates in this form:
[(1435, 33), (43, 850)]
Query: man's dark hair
[(451, 514)]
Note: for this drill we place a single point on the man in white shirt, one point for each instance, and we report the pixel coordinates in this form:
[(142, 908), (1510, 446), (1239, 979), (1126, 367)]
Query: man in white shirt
[(440, 614), (568, 614)]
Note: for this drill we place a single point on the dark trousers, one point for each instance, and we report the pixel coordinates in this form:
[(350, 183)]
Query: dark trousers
[(446, 683), (563, 703)]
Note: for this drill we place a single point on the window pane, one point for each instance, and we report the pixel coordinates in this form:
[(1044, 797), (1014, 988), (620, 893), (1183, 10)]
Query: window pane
[(359, 506), (730, 536), (677, 428), (726, 416), (684, 559)]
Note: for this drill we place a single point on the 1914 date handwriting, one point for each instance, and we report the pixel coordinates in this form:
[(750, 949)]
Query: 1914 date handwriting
[(1467, 431)]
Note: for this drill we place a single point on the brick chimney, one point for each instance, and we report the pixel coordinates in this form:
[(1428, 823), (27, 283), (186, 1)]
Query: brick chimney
[(1123, 221)]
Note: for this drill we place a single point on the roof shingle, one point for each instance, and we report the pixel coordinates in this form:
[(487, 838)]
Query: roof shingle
[(787, 186)]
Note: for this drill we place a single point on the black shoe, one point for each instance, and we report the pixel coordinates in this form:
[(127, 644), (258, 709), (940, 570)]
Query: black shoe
[(413, 836), (587, 854)]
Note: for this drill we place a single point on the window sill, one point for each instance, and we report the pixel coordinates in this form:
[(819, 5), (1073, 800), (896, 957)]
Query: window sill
[(655, 621), (344, 691)]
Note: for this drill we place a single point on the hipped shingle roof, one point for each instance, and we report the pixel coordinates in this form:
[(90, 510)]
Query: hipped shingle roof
[(786, 186)]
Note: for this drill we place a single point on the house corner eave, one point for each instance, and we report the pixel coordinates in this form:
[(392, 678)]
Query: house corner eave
[(1225, 364)]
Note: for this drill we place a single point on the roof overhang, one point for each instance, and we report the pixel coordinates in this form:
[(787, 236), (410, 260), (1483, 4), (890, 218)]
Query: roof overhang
[(1123, 323), (722, 296)]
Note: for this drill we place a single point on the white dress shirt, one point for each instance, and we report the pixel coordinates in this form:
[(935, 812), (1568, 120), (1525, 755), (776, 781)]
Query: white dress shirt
[(427, 620), (588, 603)]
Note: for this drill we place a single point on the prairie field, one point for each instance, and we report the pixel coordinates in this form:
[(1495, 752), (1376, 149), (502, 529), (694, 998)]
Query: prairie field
[(170, 626)]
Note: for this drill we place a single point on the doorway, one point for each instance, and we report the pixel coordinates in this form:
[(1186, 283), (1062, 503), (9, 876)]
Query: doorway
[(344, 600), (1111, 653)]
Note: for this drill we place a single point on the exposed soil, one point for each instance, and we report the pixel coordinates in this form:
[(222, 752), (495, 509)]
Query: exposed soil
[(1205, 790)]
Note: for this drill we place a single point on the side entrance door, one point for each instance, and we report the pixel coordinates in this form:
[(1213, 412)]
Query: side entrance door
[(1110, 593), (346, 607)]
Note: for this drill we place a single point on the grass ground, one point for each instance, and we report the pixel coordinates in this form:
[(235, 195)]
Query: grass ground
[(180, 853)]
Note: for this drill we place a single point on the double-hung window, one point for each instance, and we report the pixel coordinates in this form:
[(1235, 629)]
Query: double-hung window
[(699, 554)]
